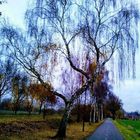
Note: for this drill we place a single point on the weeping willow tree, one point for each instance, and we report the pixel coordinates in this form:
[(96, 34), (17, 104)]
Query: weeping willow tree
[(99, 28), (112, 26)]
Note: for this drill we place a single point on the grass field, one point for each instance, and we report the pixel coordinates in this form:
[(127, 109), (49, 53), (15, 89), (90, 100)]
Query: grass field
[(129, 128), (24, 127)]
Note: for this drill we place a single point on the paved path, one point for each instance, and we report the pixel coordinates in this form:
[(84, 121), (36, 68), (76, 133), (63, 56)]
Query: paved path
[(106, 131)]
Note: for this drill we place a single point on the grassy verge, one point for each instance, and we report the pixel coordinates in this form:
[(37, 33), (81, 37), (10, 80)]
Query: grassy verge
[(130, 129), (24, 127)]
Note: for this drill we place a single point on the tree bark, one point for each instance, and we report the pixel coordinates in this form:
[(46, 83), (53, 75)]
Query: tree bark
[(63, 124), (29, 113), (102, 113), (40, 108), (84, 116), (114, 115), (83, 129), (90, 117), (44, 111), (0, 101), (94, 113), (68, 104), (91, 114), (15, 111), (78, 110), (97, 114), (78, 113)]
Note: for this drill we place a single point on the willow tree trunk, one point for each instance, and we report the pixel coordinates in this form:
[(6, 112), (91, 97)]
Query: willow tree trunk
[(63, 124)]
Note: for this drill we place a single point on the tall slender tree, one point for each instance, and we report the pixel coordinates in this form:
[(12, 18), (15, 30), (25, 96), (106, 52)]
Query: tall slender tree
[(19, 90)]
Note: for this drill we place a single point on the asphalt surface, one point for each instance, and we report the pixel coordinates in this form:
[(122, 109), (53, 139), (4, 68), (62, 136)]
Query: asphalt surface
[(106, 131)]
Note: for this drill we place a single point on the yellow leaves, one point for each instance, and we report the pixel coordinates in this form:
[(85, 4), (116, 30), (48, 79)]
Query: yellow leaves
[(92, 67), (101, 75), (50, 47), (99, 78), (96, 71), (41, 93)]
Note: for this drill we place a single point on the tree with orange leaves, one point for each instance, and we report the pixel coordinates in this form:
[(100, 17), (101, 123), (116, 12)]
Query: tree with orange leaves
[(42, 94)]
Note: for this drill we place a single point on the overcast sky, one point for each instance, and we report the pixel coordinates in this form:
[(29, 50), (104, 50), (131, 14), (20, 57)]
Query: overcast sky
[(129, 91)]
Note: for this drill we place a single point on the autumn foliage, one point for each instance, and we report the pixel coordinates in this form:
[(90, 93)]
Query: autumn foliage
[(41, 93)]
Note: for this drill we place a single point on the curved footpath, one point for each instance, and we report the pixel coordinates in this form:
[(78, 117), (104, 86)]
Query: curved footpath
[(106, 131)]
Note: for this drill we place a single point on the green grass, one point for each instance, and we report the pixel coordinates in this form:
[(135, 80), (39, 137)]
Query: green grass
[(130, 129)]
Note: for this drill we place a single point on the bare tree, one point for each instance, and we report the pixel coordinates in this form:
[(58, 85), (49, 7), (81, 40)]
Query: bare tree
[(7, 70)]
